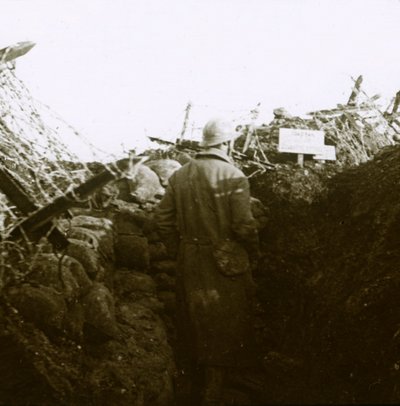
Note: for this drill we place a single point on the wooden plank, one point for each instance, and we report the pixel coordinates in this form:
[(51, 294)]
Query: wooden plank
[(43, 216), (15, 51), (20, 199)]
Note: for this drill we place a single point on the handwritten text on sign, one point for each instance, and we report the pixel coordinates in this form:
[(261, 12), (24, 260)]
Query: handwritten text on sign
[(301, 141)]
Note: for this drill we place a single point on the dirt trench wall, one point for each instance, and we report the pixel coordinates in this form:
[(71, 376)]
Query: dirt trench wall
[(328, 284)]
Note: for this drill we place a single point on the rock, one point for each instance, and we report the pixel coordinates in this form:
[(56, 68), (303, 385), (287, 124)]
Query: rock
[(44, 306), (106, 245), (64, 274), (79, 274), (166, 266), (84, 234), (145, 186), (130, 221), (127, 282), (87, 256), (75, 320), (152, 303), (99, 310), (131, 313), (124, 205), (164, 168), (93, 223), (164, 281), (132, 251), (157, 252), (100, 240)]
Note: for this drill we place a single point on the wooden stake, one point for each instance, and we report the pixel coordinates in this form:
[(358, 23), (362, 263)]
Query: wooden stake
[(248, 138), (300, 159), (251, 131), (356, 90), (185, 122), (396, 103)]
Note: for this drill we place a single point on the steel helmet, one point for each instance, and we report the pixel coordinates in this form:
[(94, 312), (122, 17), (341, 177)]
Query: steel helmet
[(217, 131)]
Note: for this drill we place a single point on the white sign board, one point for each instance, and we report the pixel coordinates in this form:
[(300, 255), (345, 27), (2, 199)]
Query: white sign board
[(301, 141), (329, 153)]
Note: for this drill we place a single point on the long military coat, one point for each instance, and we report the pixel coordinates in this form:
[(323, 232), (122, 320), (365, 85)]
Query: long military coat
[(208, 200)]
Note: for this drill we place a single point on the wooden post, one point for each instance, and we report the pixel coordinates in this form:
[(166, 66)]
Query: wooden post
[(249, 134), (254, 115), (356, 90), (396, 103), (185, 122), (300, 159)]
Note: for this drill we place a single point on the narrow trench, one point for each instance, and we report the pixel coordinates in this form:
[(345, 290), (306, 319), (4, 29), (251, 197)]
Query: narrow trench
[(326, 316)]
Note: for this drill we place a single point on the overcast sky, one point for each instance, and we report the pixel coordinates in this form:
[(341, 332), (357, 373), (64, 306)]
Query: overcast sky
[(119, 69)]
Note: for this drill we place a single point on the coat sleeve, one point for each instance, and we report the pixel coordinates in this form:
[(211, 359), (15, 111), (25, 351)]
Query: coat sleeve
[(166, 222), (243, 222)]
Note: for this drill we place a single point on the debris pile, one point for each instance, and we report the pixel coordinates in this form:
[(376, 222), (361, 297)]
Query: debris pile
[(357, 129)]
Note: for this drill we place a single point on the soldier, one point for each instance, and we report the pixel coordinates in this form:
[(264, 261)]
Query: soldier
[(205, 221)]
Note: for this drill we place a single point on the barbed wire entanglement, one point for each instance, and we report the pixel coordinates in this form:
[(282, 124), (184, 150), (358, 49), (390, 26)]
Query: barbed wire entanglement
[(358, 130), (35, 160), (32, 151)]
